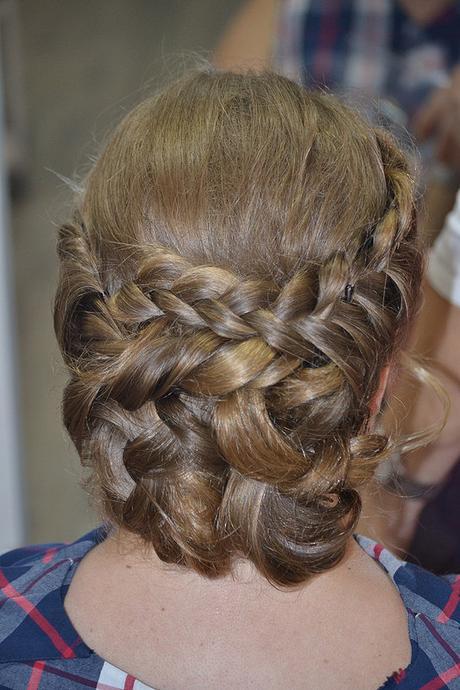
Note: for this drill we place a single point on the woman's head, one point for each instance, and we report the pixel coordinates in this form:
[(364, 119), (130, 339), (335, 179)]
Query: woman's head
[(242, 267)]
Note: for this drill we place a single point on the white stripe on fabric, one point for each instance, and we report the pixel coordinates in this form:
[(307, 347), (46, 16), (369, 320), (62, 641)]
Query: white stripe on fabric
[(113, 678)]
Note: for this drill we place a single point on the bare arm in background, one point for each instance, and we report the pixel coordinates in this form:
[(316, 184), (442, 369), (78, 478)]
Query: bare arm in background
[(439, 120), (248, 39)]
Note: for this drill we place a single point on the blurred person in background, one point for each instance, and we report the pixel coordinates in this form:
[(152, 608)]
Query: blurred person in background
[(400, 57), (236, 284)]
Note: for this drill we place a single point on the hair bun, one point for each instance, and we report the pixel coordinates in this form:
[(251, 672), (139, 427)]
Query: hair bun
[(245, 269)]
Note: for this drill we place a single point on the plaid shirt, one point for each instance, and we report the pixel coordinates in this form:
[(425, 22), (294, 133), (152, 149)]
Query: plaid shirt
[(369, 48), (41, 650)]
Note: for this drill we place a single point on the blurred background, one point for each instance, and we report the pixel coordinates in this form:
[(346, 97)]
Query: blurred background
[(69, 72)]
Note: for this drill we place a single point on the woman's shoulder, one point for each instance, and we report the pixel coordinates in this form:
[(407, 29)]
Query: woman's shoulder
[(39, 646), (432, 603), (422, 592), (33, 583)]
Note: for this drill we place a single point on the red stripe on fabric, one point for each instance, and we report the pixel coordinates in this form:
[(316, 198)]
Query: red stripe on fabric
[(41, 576), (399, 676), (129, 683), (443, 679), (378, 548), (452, 602), (444, 644), (78, 681), (37, 672), (46, 572), (38, 618), (48, 555)]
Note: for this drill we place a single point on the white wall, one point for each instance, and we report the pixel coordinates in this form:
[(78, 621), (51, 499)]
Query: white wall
[(11, 516)]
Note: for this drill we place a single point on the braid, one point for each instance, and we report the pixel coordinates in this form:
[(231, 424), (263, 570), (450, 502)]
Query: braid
[(224, 407)]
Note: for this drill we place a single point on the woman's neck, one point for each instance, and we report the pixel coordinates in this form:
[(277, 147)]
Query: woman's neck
[(126, 550), (222, 632)]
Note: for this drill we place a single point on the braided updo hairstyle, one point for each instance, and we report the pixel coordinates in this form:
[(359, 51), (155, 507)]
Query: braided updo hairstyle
[(242, 265)]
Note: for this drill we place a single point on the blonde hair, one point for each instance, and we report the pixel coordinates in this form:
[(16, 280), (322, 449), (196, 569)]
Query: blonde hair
[(243, 264)]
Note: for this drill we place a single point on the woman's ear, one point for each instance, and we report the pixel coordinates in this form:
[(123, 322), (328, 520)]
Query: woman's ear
[(377, 398)]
